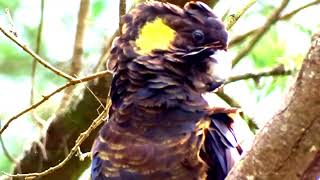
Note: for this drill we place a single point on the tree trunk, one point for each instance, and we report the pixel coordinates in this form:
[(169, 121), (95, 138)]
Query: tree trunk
[(289, 143)]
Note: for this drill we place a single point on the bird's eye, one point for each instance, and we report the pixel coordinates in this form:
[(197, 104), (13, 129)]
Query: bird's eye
[(198, 35)]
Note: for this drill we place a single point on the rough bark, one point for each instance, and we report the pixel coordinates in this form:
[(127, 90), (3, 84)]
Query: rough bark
[(287, 145)]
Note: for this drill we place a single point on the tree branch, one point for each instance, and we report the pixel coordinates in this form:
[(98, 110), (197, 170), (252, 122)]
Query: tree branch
[(122, 11), (287, 16), (232, 19), (46, 97), (76, 60), (38, 121), (289, 142), (273, 18), (277, 71), (34, 55), (233, 103), (63, 131), (83, 136)]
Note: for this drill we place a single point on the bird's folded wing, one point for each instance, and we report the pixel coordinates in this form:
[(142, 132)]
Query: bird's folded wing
[(220, 147)]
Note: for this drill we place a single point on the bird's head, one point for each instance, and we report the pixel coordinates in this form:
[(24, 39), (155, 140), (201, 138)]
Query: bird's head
[(187, 38)]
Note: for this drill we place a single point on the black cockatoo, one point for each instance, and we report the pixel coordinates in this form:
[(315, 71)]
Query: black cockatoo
[(160, 127)]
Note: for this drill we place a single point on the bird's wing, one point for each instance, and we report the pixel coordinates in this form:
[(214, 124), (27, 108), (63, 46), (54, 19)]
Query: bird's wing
[(220, 148)]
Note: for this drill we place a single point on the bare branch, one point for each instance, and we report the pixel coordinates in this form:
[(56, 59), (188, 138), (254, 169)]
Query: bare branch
[(233, 103), (5, 151), (39, 122), (294, 12), (76, 61), (277, 71), (99, 120), (35, 55), (273, 18), (287, 16), (45, 98), (79, 39), (122, 11)]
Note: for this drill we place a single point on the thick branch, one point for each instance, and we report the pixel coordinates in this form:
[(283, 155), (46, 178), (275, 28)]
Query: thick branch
[(288, 143), (76, 61)]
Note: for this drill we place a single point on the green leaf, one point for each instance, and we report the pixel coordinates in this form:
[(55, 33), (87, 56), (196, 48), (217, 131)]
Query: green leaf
[(97, 7), (268, 50)]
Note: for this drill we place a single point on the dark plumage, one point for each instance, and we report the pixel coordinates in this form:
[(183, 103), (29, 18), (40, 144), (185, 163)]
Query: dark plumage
[(158, 119)]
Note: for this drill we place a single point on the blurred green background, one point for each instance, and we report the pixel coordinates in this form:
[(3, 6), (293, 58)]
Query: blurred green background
[(285, 43)]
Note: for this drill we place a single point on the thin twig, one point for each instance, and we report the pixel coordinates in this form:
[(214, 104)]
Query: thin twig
[(99, 120), (287, 16), (292, 13), (272, 19), (232, 19), (76, 61), (5, 150), (8, 155), (39, 122), (45, 98), (92, 93), (277, 71), (35, 56), (12, 27)]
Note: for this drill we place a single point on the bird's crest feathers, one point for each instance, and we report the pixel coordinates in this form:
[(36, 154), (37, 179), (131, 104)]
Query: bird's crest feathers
[(154, 35)]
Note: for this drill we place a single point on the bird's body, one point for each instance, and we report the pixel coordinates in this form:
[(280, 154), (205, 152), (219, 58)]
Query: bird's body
[(158, 119)]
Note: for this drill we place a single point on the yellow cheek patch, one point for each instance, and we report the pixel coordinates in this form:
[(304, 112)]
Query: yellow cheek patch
[(154, 35)]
